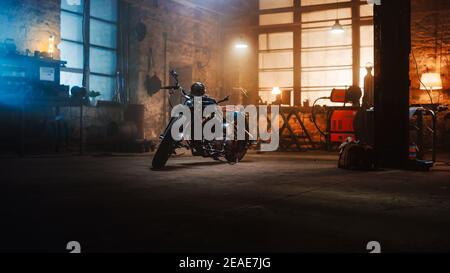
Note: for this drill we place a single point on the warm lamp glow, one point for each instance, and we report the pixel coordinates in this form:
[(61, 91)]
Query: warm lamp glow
[(240, 45), (431, 81), (276, 91), (51, 45), (337, 28)]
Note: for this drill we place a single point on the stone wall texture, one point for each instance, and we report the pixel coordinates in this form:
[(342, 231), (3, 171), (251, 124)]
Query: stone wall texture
[(30, 23), (430, 28), (193, 47), (430, 38)]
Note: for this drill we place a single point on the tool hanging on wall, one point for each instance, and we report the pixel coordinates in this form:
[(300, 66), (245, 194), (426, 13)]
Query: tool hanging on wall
[(151, 81), (140, 31)]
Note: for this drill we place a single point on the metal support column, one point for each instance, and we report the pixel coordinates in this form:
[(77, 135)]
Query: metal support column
[(392, 49)]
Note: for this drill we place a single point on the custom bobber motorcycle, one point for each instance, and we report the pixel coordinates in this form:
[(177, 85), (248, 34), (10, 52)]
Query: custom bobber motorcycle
[(227, 150)]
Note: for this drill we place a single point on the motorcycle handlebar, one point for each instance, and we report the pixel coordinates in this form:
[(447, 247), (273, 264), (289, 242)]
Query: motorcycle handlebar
[(224, 100), (174, 75), (176, 87), (170, 87)]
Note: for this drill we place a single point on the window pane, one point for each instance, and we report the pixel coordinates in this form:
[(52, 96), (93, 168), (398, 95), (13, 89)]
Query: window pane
[(320, 2), (276, 18), (366, 56), (275, 4), (104, 85), (104, 9), (330, 15), (367, 51), (103, 34), (72, 53), (276, 79), (282, 40), (263, 42), (71, 27), (367, 37), (71, 79), (276, 64), (73, 5), (329, 57), (323, 37), (366, 10), (327, 79), (103, 61), (276, 60)]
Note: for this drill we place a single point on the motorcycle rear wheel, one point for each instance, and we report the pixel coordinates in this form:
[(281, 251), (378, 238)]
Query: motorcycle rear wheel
[(237, 152)]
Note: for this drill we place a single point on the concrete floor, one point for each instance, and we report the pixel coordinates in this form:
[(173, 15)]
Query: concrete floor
[(268, 203)]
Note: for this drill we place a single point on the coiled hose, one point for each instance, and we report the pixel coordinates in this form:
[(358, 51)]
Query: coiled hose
[(313, 115)]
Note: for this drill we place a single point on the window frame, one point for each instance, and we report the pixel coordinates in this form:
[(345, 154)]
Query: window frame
[(356, 22), (87, 18), (269, 50), (69, 41)]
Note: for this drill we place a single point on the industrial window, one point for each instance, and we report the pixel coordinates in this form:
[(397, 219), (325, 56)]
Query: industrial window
[(321, 2), (276, 64), (275, 4), (367, 53), (95, 36), (328, 60), (326, 57), (276, 18)]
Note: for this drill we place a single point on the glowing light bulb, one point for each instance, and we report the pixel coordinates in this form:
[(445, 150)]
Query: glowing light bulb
[(241, 45), (51, 45), (276, 91)]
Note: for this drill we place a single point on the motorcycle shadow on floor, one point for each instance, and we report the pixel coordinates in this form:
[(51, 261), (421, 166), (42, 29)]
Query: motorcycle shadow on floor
[(190, 165)]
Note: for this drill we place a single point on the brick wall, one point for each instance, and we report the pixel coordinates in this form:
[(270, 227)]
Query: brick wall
[(430, 28), (430, 38), (193, 40), (30, 23)]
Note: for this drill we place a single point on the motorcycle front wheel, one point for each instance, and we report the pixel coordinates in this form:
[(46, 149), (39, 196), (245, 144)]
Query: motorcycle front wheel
[(163, 153)]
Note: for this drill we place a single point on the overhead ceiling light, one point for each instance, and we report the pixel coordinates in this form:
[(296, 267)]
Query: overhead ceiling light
[(337, 28)]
